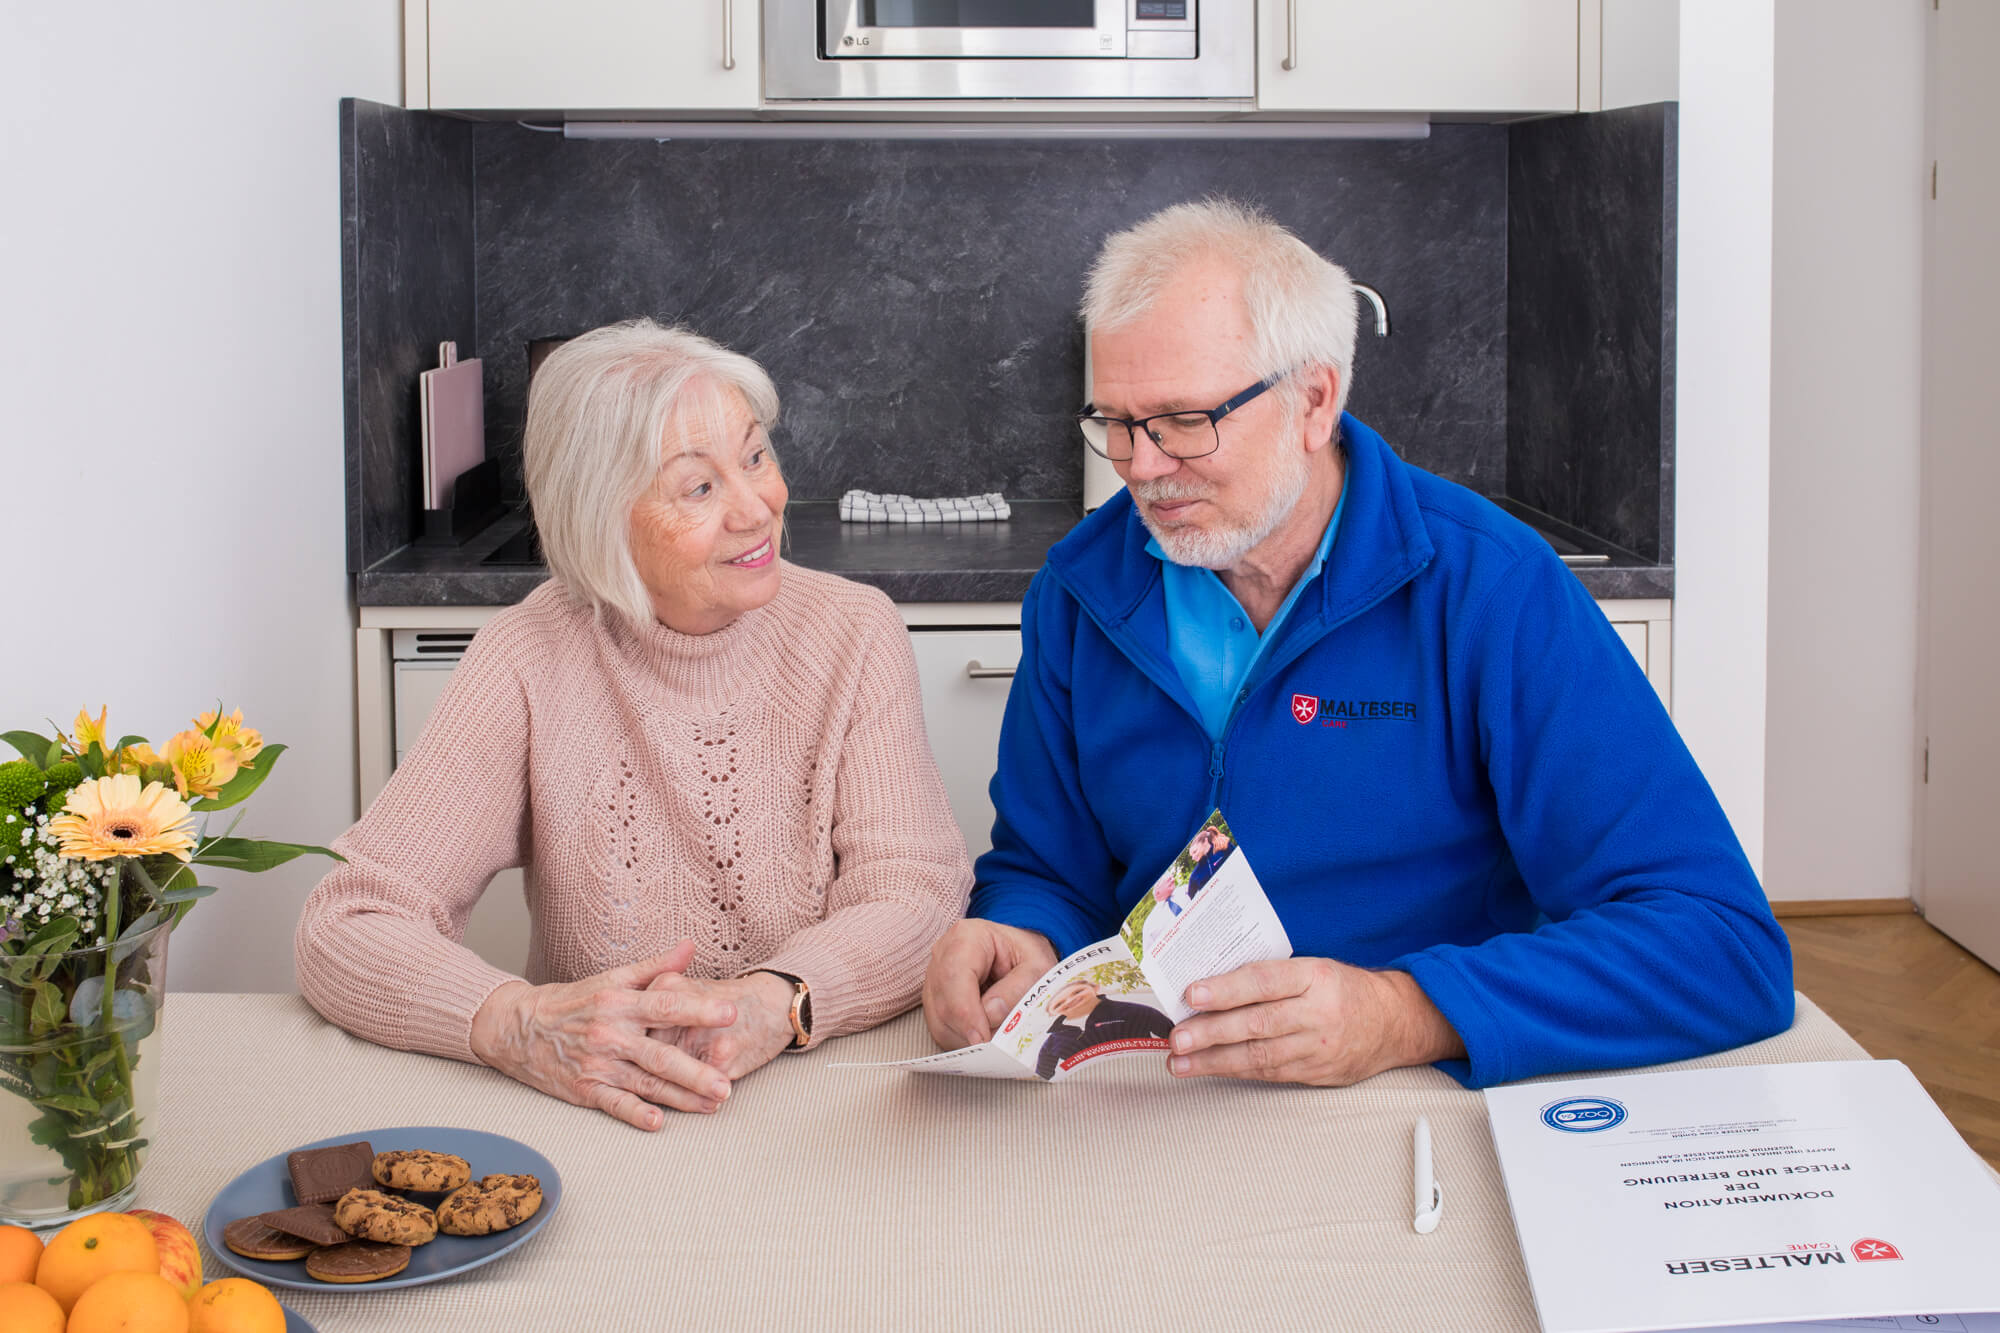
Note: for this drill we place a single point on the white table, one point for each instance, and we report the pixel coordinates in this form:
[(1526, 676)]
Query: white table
[(1122, 1200)]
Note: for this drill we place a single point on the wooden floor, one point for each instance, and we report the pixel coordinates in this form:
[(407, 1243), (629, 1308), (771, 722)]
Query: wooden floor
[(1908, 993)]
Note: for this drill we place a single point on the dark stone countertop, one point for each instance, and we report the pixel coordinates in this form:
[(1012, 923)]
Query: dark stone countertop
[(942, 562), (946, 562)]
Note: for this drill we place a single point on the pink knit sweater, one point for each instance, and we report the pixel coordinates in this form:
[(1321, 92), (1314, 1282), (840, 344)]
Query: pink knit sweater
[(767, 790)]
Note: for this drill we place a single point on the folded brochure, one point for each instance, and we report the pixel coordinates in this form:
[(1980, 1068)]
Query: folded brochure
[(1758, 1194), (1205, 915)]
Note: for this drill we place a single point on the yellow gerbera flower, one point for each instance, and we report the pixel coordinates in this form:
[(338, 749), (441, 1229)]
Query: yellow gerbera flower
[(201, 767), (88, 731), (114, 816)]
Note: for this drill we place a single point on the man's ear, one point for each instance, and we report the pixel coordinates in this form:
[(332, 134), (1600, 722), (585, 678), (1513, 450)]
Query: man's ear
[(1321, 390)]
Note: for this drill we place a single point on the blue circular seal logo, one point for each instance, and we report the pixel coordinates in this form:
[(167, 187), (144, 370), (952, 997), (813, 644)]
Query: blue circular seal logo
[(1583, 1115)]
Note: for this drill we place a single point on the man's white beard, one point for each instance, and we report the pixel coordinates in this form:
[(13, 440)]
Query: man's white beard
[(1221, 548)]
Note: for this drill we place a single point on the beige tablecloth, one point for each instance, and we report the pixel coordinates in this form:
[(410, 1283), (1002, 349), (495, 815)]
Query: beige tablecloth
[(1122, 1201)]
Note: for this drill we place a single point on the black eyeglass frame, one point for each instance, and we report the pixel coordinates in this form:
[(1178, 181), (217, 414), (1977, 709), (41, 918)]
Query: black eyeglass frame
[(1135, 425)]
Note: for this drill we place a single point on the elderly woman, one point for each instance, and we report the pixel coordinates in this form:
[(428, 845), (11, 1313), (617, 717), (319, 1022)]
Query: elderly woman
[(712, 764)]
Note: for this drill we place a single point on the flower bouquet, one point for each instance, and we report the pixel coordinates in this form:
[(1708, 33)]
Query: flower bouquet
[(98, 848)]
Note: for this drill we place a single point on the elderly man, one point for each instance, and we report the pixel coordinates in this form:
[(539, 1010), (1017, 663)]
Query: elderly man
[(1488, 844)]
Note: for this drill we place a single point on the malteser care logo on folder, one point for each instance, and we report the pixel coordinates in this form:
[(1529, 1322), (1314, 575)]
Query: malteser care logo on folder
[(1583, 1115)]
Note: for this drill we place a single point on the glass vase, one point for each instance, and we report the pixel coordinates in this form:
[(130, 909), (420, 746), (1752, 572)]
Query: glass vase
[(79, 1070)]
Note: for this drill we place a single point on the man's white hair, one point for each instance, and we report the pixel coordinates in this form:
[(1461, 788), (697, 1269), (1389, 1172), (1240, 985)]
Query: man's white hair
[(1301, 305), (599, 409)]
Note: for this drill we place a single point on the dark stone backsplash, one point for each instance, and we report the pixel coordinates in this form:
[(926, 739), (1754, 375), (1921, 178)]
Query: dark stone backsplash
[(915, 300), (1590, 331), (406, 253)]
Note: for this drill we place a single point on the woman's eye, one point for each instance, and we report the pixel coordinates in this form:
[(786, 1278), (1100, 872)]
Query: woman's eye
[(700, 491), (757, 459)]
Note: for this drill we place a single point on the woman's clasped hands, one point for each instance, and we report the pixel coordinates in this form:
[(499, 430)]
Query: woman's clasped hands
[(614, 1041)]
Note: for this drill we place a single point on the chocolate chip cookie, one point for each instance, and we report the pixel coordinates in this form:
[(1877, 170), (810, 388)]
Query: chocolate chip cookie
[(373, 1215), (414, 1169), (496, 1203)]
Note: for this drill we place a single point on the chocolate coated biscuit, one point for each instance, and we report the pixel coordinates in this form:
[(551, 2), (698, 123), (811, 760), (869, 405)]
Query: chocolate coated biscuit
[(321, 1175), (416, 1169), (252, 1238), (358, 1261), (373, 1215), (309, 1221), (496, 1203)]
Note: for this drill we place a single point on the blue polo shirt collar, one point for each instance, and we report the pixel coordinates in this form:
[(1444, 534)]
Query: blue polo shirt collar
[(1210, 638)]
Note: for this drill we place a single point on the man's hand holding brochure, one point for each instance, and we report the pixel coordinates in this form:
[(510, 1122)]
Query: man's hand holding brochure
[(1206, 915)]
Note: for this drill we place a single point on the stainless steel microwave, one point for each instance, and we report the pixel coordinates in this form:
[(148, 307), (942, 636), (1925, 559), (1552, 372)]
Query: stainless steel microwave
[(934, 50)]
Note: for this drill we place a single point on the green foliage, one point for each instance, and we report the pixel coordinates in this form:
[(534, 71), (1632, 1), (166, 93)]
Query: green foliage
[(254, 854), (1117, 977), (21, 784), (245, 782), (38, 750), (1134, 929), (61, 779)]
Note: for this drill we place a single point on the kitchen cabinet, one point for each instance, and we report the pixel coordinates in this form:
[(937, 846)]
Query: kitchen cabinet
[(1469, 56), (965, 675), (582, 55), (966, 656)]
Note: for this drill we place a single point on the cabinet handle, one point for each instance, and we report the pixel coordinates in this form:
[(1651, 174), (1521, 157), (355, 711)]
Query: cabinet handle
[(975, 671), (729, 34), (1291, 34)]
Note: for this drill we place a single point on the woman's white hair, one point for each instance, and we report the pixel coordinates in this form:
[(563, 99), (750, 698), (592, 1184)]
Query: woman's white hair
[(1301, 305), (598, 410)]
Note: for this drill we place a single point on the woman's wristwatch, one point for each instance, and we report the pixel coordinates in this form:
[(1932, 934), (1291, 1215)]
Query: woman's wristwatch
[(802, 1007)]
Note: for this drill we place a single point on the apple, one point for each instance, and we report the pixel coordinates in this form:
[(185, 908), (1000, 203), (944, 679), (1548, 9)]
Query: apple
[(180, 1258)]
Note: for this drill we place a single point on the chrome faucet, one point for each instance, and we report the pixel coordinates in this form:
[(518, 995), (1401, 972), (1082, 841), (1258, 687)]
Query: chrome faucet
[(1381, 308)]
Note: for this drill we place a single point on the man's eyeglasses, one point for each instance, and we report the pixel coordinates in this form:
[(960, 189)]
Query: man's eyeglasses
[(1186, 434)]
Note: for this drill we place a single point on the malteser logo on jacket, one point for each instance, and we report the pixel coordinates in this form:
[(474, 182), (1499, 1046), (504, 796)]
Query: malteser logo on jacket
[(1331, 712)]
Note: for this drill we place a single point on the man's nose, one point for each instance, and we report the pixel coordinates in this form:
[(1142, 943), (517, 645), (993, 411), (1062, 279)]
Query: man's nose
[(1148, 461)]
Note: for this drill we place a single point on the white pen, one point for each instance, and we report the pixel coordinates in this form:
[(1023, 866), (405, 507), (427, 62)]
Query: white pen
[(1427, 1196)]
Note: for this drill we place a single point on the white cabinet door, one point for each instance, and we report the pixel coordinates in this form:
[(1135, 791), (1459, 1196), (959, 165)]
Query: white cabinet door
[(1417, 55), (965, 676), (592, 55)]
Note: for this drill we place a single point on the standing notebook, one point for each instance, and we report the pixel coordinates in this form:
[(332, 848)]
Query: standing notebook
[(454, 416)]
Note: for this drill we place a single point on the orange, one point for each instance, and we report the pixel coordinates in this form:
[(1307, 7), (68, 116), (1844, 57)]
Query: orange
[(94, 1247), (236, 1305), (129, 1303), (26, 1308), (20, 1251)]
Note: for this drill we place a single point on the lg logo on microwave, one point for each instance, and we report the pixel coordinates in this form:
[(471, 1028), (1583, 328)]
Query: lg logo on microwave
[(851, 40)]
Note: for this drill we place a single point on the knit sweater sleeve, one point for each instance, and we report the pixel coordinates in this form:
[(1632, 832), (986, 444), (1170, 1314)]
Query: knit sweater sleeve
[(902, 871), (378, 947)]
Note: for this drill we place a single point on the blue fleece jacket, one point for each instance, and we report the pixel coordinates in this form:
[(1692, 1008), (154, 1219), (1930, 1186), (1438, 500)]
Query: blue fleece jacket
[(1446, 763)]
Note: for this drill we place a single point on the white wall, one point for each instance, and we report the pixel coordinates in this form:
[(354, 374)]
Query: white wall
[(170, 365), (1723, 396), (1846, 406)]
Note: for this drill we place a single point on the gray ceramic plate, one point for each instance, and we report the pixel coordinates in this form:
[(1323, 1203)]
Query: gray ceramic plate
[(294, 1321), (267, 1186)]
